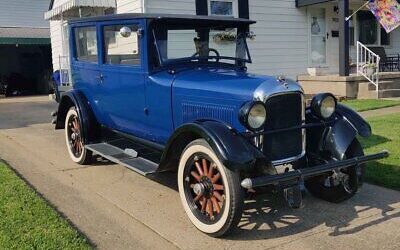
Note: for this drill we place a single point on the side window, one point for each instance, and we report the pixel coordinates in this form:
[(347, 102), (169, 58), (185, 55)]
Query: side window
[(86, 44), (121, 45)]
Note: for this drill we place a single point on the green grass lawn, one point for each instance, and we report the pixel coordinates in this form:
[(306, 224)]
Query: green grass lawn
[(386, 135), (28, 222), (364, 105)]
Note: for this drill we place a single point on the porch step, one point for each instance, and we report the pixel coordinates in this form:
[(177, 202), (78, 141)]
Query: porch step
[(127, 157), (388, 84), (387, 93)]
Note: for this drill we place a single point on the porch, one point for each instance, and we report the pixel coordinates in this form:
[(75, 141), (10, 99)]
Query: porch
[(351, 55), (353, 86)]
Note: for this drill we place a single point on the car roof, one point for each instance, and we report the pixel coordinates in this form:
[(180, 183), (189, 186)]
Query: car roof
[(166, 17)]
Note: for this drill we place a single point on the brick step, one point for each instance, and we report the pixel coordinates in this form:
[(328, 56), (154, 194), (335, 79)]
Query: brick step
[(388, 93), (385, 85)]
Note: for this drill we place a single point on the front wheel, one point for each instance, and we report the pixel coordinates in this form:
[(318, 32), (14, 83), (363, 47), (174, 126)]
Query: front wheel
[(74, 139), (341, 185), (210, 193)]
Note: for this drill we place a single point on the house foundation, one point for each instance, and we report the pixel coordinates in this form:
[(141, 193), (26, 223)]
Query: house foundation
[(352, 86)]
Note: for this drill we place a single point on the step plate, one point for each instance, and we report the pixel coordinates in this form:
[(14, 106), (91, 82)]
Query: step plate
[(117, 155)]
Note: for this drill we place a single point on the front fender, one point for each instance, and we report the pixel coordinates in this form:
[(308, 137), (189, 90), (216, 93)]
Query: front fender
[(233, 150), (339, 137), (360, 124)]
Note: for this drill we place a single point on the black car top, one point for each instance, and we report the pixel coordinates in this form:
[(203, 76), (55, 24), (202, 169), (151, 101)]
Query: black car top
[(167, 17)]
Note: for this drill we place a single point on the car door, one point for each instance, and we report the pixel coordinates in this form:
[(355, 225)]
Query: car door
[(85, 64), (121, 77)]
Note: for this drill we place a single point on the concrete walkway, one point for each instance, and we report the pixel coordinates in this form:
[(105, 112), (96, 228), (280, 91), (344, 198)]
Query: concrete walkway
[(119, 209), (378, 112)]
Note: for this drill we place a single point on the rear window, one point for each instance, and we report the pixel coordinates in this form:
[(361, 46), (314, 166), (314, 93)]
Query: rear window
[(86, 44)]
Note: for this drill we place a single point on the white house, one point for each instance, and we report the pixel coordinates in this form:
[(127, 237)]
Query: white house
[(24, 45), (291, 36)]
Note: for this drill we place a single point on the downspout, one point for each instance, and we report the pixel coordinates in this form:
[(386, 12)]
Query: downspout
[(143, 7)]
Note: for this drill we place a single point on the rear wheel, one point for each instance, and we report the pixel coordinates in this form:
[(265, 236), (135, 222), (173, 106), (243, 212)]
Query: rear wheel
[(210, 193), (341, 185), (74, 139)]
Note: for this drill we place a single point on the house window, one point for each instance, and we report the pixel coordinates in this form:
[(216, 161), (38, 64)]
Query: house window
[(86, 44), (370, 31), (223, 8)]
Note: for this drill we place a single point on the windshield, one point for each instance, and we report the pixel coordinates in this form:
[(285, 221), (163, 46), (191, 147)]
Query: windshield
[(216, 43)]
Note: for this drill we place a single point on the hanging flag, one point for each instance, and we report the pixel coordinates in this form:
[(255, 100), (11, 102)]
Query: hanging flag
[(387, 12)]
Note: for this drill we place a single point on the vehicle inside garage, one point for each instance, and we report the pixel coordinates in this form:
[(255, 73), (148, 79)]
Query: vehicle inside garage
[(25, 62)]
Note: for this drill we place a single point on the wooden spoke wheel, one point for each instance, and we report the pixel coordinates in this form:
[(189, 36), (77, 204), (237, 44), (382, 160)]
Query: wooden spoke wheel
[(206, 187), (74, 138), (211, 193)]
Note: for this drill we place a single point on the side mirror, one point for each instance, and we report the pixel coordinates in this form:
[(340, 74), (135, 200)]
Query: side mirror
[(125, 32)]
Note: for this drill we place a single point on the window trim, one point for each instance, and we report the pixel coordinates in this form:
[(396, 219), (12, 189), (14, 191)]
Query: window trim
[(235, 7)]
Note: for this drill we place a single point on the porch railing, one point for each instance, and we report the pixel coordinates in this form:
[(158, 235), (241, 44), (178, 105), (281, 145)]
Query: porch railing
[(368, 64)]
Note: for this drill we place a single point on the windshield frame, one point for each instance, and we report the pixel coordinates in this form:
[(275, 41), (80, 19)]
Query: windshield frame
[(242, 31)]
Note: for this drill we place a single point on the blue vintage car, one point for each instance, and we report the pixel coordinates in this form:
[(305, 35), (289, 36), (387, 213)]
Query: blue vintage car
[(172, 93)]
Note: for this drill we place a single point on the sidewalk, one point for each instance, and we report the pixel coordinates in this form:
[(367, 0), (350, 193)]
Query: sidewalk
[(378, 112)]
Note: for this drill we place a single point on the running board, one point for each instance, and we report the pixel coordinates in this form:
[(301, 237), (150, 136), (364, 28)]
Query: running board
[(127, 157)]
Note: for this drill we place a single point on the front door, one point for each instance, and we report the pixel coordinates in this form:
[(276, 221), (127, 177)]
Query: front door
[(318, 37), (121, 77)]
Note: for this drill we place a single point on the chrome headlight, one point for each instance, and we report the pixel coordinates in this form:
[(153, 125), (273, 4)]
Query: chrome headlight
[(253, 115), (324, 105)]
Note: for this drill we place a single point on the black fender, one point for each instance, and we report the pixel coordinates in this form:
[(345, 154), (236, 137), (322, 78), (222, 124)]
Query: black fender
[(88, 122), (232, 149), (341, 134)]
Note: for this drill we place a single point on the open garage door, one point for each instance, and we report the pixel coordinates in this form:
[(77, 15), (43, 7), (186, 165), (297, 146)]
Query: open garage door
[(25, 61)]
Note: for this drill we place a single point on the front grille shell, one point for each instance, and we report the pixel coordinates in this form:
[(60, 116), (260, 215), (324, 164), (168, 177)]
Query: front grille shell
[(284, 110)]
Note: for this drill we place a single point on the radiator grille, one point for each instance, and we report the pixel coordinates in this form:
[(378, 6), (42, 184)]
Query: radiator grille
[(284, 111)]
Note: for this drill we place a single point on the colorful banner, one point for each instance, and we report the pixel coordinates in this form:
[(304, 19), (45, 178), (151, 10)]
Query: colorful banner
[(387, 12)]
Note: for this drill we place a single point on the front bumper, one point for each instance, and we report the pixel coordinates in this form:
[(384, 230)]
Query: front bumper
[(301, 174)]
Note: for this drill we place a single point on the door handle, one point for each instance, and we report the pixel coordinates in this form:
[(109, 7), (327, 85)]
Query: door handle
[(100, 78)]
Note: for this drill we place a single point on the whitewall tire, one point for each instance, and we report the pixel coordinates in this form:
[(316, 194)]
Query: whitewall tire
[(74, 138), (210, 193)]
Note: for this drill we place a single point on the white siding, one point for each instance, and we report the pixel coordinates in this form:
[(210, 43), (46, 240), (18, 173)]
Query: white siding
[(281, 44), (129, 6), (23, 13), (56, 43), (58, 3), (171, 6)]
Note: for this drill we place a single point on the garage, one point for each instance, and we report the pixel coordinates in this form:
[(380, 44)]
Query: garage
[(25, 62)]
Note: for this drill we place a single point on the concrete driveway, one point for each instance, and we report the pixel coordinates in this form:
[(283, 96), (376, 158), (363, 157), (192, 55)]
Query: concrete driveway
[(119, 209)]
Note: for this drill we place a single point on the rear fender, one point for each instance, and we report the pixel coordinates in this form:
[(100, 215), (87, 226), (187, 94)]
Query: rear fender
[(232, 149), (88, 123)]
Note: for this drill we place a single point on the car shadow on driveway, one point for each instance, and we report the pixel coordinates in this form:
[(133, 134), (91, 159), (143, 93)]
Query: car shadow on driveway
[(268, 216)]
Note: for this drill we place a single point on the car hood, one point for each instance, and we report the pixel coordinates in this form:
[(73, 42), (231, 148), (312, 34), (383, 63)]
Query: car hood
[(219, 93), (228, 83)]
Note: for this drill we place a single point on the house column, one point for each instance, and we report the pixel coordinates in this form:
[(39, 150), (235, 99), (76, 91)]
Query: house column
[(202, 7), (344, 41)]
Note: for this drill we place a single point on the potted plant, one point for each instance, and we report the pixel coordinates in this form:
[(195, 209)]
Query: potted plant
[(316, 71), (225, 37), (369, 69)]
